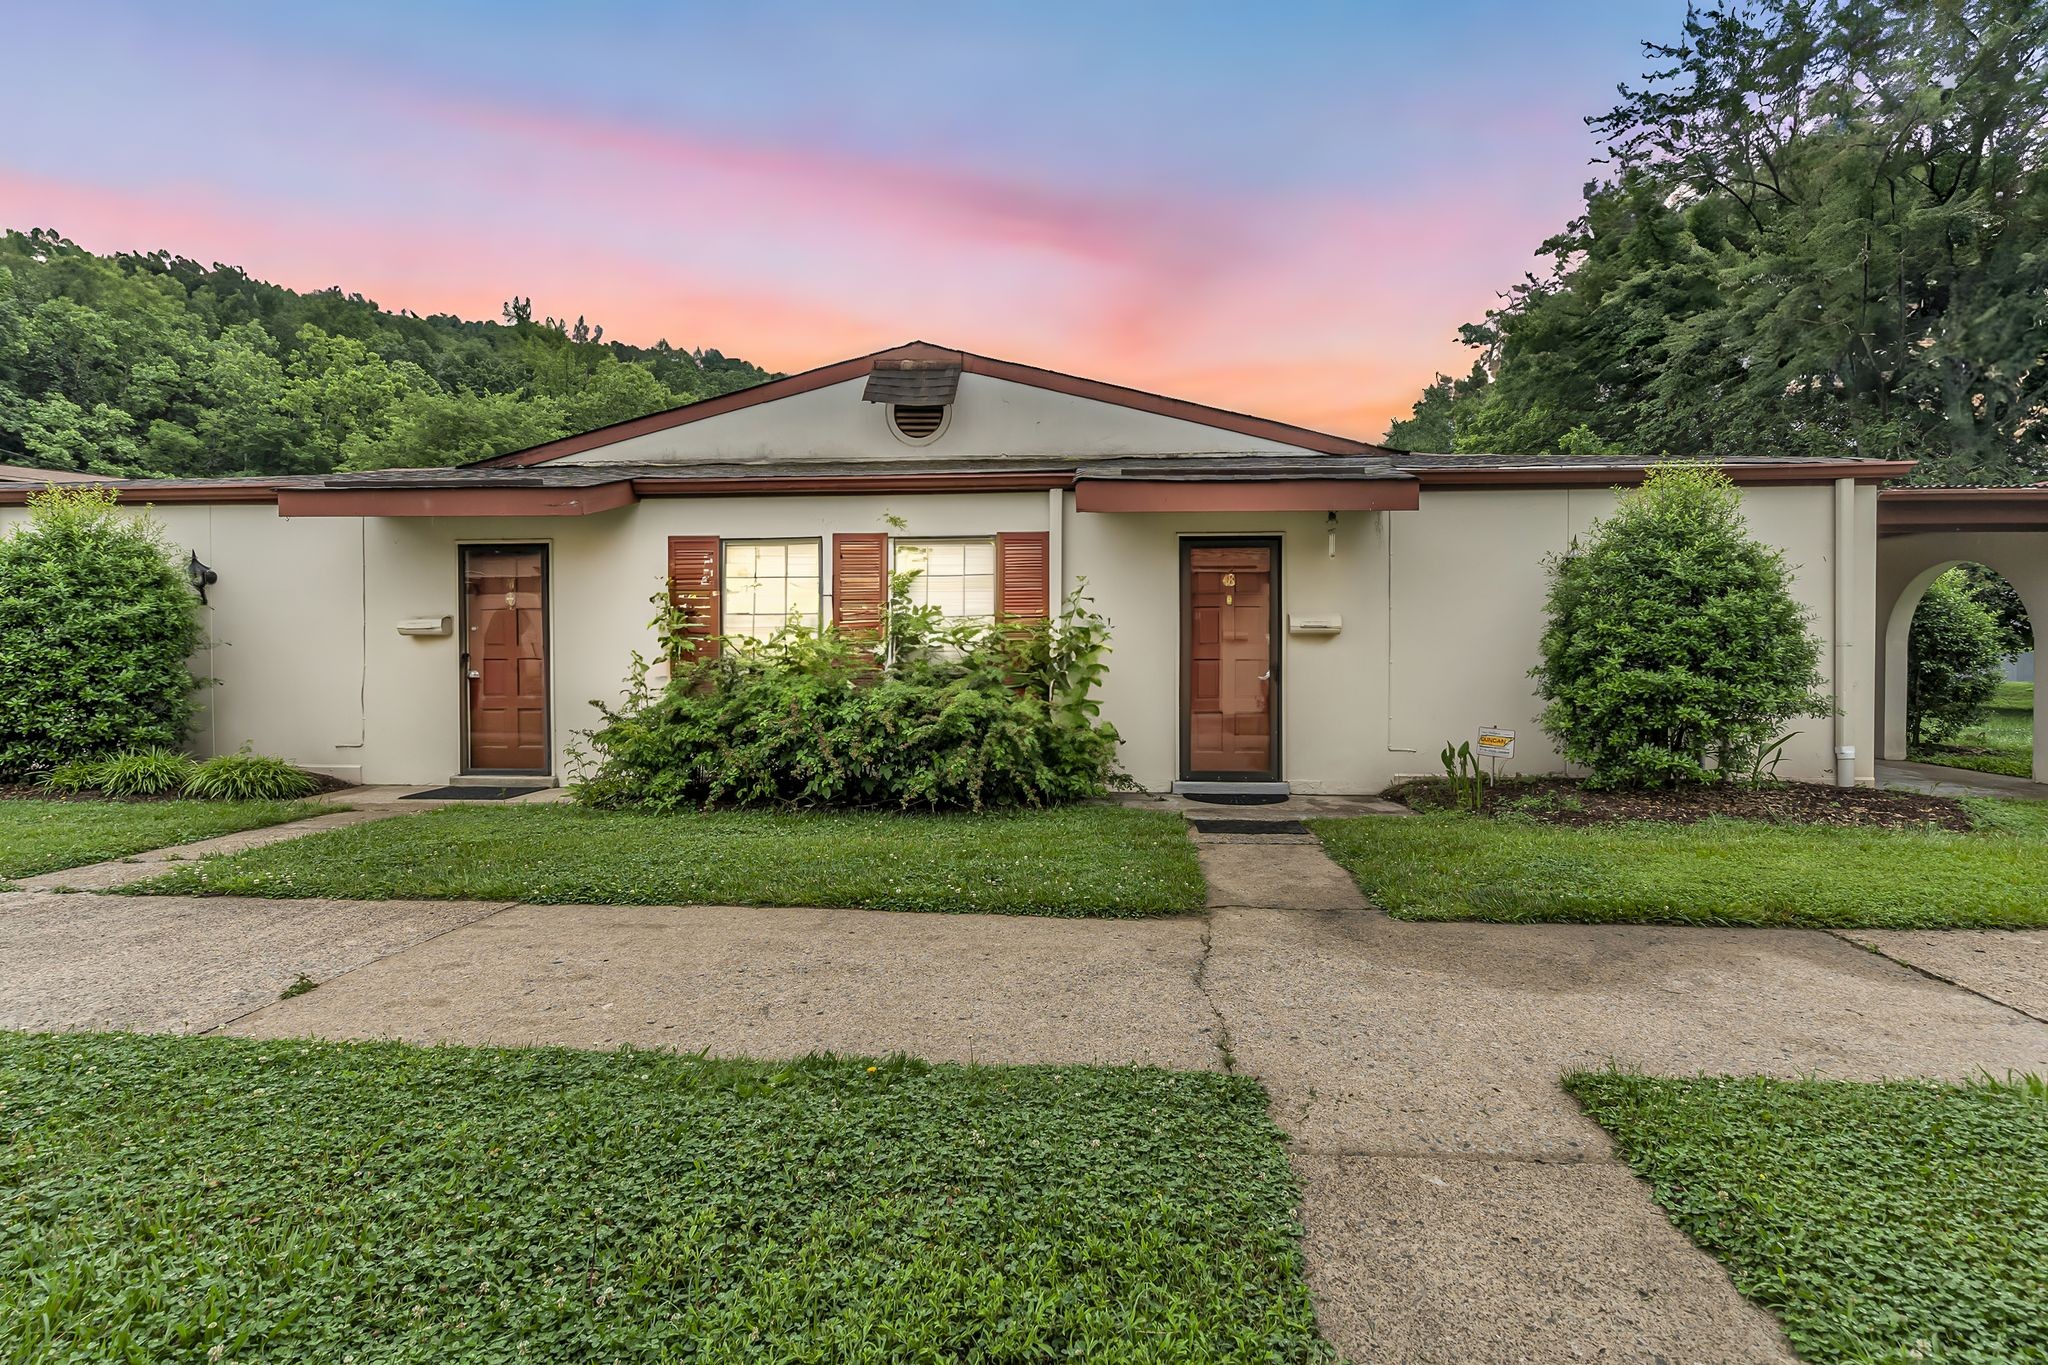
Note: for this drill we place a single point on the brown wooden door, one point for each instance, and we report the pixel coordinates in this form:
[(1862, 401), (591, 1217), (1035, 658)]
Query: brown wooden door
[(1230, 688), (505, 658)]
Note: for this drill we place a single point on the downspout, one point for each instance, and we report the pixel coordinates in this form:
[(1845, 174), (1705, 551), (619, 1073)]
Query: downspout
[(1055, 547), (1845, 614)]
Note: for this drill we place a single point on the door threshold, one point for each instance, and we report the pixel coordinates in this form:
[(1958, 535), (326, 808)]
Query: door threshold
[(502, 780), (1273, 790)]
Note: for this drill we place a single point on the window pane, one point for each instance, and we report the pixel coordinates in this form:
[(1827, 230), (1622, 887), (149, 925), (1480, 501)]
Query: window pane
[(956, 576), (768, 584)]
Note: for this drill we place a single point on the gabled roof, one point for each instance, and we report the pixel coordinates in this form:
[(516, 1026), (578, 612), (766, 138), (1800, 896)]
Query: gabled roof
[(923, 351)]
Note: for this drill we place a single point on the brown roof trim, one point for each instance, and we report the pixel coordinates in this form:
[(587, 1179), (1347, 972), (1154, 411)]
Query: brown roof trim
[(141, 495), (840, 371), (775, 484), (1908, 511), (1247, 495), (1612, 476), (454, 502)]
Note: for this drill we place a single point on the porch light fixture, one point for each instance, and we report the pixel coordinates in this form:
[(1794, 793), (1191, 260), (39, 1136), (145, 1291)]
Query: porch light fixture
[(1330, 526), (199, 575)]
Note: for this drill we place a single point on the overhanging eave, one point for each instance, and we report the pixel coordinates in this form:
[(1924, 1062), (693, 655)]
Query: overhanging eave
[(1247, 495), (455, 502)]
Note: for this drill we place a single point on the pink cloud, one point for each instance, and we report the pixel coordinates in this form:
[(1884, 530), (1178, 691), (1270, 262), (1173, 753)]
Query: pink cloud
[(1324, 310)]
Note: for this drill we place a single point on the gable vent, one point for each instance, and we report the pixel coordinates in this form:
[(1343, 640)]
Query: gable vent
[(917, 421)]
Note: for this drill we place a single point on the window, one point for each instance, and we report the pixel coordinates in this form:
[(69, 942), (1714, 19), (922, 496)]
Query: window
[(768, 584), (956, 576)]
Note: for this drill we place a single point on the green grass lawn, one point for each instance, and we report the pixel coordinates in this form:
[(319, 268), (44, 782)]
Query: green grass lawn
[(2003, 743), (1081, 860), (1451, 866), (213, 1199), (1899, 1222), (45, 836)]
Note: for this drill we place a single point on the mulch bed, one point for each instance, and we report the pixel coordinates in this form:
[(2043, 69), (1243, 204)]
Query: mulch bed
[(1566, 801)]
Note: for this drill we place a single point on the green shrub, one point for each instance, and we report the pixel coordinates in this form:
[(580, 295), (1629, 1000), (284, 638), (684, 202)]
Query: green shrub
[(1674, 651), (79, 775), (1954, 659), (249, 777), (929, 715), (96, 623), (143, 772)]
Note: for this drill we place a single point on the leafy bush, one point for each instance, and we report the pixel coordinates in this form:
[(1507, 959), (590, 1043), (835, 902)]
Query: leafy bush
[(1674, 651), (79, 775), (143, 772), (1954, 659), (96, 623), (928, 715), (249, 777)]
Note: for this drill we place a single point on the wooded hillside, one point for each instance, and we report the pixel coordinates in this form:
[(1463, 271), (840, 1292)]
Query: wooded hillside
[(157, 365), (1821, 229)]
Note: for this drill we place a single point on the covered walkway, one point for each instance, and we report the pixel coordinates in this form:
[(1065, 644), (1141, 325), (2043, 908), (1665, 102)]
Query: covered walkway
[(1921, 532)]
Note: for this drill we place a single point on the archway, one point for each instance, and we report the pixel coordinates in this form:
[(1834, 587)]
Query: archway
[(1907, 564)]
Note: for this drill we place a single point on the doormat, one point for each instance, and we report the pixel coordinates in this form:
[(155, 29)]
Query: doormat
[(1247, 826), (1237, 798), (470, 793)]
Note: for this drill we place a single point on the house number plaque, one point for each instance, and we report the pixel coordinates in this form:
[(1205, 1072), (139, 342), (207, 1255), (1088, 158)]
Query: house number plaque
[(1229, 581)]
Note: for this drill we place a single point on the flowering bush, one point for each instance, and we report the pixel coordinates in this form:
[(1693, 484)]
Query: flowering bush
[(927, 714)]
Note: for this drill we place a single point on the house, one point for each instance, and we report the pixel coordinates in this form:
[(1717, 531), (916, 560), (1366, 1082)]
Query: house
[(1287, 606)]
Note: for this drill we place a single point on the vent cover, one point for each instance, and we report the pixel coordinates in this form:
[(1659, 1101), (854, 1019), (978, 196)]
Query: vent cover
[(917, 421)]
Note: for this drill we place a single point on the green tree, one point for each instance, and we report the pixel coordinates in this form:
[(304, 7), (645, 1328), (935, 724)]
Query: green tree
[(427, 427), (1821, 234), (154, 364), (2015, 627), (615, 391), (96, 624), (1953, 658), (1674, 650)]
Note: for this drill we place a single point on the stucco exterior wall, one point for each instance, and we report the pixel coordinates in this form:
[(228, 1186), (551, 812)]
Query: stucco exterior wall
[(989, 417), (1441, 608), (1466, 594)]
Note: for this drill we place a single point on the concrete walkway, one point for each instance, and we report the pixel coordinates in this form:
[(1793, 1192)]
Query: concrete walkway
[(1458, 1206), (1933, 779), (141, 867)]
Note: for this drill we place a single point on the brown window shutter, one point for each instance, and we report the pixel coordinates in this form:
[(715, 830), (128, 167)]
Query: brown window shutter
[(1023, 568), (860, 581), (693, 588)]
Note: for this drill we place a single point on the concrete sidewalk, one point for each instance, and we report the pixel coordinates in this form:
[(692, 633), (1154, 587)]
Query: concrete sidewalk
[(1458, 1206)]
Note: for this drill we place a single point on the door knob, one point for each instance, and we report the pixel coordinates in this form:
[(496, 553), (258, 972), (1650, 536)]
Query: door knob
[(1267, 676), (474, 674)]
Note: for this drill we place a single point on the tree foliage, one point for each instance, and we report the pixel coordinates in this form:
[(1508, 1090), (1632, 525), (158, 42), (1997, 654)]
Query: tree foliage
[(155, 365), (2015, 627), (1953, 658), (96, 623), (1824, 231), (1674, 650)]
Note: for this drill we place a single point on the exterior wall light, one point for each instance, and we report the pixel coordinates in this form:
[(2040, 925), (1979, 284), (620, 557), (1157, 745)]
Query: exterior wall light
[(1330, 525), (200, 575)]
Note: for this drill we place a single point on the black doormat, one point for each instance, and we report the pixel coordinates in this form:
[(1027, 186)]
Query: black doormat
[(1248, 826), (1237, 798), (471, 793)]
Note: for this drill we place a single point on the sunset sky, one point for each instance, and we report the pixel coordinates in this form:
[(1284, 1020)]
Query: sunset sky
[(1281, 209)]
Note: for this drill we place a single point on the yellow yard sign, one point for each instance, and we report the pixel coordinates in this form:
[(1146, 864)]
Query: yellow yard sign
[(1495, 743)]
